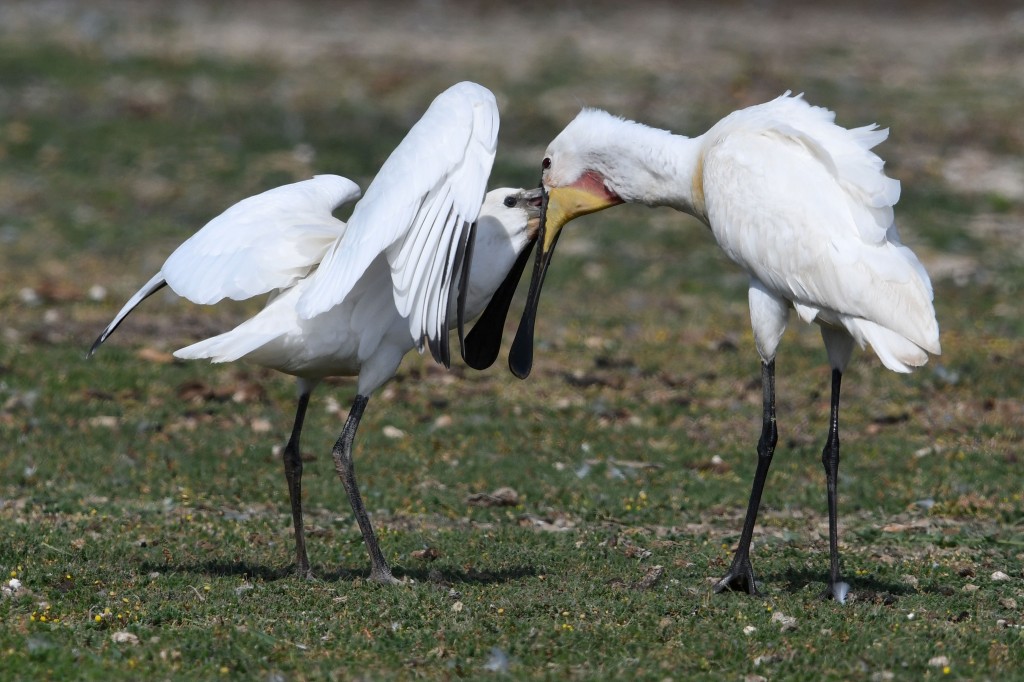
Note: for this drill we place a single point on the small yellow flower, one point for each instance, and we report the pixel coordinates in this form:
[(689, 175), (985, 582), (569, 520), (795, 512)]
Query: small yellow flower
[(945, 670)]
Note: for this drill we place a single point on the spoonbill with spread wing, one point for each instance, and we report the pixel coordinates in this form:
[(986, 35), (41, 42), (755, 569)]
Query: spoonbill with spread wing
[(352, 300)]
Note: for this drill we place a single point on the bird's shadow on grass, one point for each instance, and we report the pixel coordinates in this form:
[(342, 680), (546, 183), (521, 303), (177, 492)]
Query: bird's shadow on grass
[(437, 576), (864, 588)]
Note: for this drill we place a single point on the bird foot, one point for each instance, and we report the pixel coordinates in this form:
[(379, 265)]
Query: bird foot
[(837, 591), (740, 578), (383, 576)]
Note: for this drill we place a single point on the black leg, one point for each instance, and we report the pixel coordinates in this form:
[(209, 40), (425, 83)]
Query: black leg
[(342, 453), (741, 574), (293, 474), (837, 589)]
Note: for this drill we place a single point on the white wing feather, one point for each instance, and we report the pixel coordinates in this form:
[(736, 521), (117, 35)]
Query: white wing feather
[(262, 243), (265, 242), (417, 211)]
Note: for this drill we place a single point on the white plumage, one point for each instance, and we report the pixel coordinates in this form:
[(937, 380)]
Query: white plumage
[(418, 212), (801, 204), (352, 300), (362, 335), (835, 254)]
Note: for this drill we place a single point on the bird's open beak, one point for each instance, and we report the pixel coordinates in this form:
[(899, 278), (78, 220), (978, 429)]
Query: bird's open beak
[(481, 345), (586, 195), (534, 200)]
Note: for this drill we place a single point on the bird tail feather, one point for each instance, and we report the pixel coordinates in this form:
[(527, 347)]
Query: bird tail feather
[(896, 351), (227, 347)]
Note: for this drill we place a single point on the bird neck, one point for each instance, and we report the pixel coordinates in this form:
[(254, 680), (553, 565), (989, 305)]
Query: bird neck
[(666, 170)]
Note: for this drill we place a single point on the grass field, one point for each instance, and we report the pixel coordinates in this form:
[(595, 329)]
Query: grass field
[(143, 508)]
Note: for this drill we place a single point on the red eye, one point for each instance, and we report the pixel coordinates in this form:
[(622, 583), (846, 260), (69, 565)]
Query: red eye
[(546, 164)]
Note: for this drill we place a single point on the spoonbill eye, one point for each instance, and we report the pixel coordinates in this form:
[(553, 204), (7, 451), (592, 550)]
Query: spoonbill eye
[(546, 163), (510, 201)]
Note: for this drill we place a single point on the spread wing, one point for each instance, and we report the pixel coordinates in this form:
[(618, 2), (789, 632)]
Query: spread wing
[(419, 211), (262, 243)]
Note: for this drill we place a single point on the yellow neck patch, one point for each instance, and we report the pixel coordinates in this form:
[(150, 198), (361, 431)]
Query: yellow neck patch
[(697, 188)]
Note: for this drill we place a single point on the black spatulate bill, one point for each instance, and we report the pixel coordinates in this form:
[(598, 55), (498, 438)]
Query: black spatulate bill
[(465, 256), (520, 357), (483, 342)]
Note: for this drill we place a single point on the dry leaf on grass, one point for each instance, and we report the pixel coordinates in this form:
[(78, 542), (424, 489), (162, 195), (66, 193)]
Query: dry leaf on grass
[(425, 554), (785, 622), (122, 637), (557, 525), (392, 432), (652, 576), (502, 497)]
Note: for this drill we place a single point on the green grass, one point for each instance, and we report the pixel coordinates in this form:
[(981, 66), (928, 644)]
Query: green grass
[(146, 497)]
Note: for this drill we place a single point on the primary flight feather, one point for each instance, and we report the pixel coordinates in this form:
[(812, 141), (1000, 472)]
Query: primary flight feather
[(418, 212)]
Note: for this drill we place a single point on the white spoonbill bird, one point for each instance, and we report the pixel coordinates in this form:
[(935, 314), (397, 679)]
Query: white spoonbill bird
[(351, 300), (802, 205), (363, 335)]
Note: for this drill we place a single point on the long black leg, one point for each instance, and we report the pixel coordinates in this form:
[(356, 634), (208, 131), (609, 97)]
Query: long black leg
[(293, 474), (837, 589), (342, 454), (741, 573)]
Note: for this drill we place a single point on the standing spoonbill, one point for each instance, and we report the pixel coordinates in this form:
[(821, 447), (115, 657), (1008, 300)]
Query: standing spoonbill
[(352, 300), (798, 202)]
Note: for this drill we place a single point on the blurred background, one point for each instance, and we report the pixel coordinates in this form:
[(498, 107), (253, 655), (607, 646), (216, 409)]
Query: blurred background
[(125, 126)]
